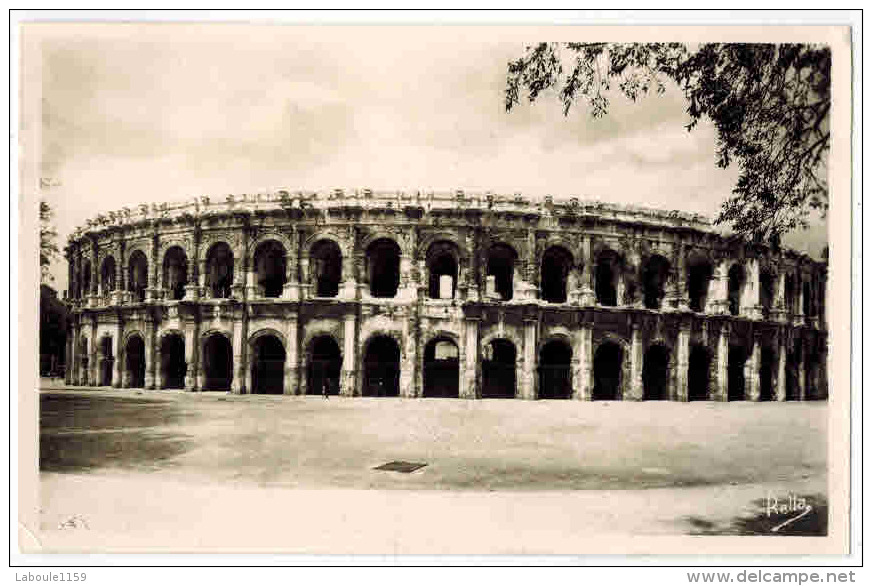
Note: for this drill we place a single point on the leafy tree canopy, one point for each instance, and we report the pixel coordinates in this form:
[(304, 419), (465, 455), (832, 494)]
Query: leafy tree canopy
[(48, 248), (769, 104)]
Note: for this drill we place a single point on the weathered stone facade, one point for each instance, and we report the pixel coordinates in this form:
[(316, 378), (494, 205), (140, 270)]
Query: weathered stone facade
[(461, 295)]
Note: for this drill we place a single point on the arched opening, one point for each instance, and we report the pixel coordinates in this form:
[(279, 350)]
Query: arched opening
[(322, 371), (107, 275), (498, 370), (219, 270), (806, 299), (500, 272), (555, 370), (792, 381), (172, 361), (767, 371), (556, 264), (699, 275), (698, 374), (270, 268), (607, 362), (384, 268), (789, 295), (655, 373), (441, 369), (217, 363), (655, 273), (267, 366), (736, 373), (175, 272), (381, 368), (606, 278), (135, 361), (812, 381), (86, 277), (767, 292), (107, 360), (735, 283), (442, 270), (137, 279), (325, 265)]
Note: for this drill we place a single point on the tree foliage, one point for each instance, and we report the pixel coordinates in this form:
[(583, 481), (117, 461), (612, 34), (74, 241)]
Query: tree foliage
[(769, 103), (48, 248)]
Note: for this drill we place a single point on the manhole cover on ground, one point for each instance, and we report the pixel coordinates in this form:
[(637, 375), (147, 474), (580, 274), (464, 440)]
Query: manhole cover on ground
[(404, 467)]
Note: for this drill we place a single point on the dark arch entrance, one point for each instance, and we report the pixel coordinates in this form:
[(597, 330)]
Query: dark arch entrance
[(607, 364), (555, 371), (736, 374), (442, 268), (498, 370), (137, 279), (107, 360), (655, 373), (268, 366), (767, 292), (107, 275), (698, 379), (381, 368), (325, 266), (501, 267), (135, 361), (699, 275), (175, 272), (217, 363), (270, 266), (441, 369), (172, 361), (556, 264), (735, 282), (654, 276), (325, 362), (219, 270), (384, 268), (792, 391), (606, 277), (767, 368)]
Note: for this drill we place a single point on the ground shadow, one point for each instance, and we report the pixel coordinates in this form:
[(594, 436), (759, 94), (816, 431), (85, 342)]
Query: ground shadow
[(785, 516), (83, 433)]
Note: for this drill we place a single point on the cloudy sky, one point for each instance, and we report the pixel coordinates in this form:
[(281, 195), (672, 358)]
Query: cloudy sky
[(133, 113)]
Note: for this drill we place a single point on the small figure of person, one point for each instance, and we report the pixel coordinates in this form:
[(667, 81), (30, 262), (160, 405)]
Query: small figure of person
[(325, 389)]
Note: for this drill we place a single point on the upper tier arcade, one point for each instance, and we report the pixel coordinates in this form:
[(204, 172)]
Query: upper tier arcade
[(492, 249)]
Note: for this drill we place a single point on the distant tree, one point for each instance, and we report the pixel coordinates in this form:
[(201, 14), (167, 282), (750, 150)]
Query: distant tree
[(53, 319), (48, 249), (769, 103)]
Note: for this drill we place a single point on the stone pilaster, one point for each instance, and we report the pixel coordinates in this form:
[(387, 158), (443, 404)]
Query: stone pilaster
[(237, 385), (118, 365), (192, 358), (752, 372), (721, 361), (528, 379), (72, 374), (150, 328), (682, 362), (94, 362), (68, 356), (469, 371), (749, 304), (408, 359), (634, 389), (348, 384), (292, 356), (781, 372), (582, 363)]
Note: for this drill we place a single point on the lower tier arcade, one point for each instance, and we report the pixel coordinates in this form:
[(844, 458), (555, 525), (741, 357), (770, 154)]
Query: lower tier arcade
[(445, 349)]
